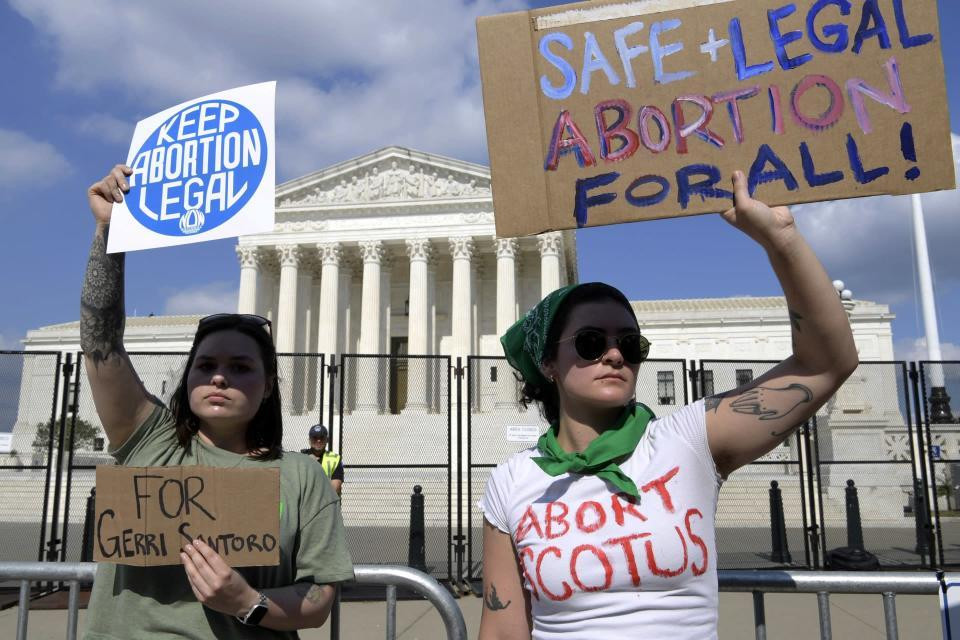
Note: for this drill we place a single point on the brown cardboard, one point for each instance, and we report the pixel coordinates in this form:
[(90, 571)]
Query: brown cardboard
[(821, 132), (144, 515)]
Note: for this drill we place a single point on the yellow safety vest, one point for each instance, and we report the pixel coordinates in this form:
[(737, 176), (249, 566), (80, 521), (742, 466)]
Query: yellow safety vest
[(330, 462)]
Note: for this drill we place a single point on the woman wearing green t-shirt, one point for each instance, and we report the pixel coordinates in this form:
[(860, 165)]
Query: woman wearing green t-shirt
[(225, 413)]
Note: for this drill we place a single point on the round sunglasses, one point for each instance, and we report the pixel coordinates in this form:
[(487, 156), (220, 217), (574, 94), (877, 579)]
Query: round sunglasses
[(591, 344)]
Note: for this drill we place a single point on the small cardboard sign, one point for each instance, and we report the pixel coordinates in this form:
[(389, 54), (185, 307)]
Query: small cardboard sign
[(605, 112), (202, 170), (145, 515)]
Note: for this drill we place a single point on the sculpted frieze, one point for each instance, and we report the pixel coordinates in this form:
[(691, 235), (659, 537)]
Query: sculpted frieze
[(391, 183)]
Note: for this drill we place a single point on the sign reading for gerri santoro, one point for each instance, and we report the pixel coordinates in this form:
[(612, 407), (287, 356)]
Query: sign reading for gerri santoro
[(202, 170)]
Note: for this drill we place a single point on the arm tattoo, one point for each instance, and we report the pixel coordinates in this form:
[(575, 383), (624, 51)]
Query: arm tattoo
[(493, 602), (101, 302), (759, 402), (712, 403), (312, 593), (795, 319)]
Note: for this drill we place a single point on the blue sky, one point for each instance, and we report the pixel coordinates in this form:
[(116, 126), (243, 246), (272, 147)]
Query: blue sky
[(79, 76)]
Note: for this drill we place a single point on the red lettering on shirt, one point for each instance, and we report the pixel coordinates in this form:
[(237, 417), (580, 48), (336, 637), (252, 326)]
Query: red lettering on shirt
[(619, 508), (652, 561), (602, 557), (526, 574), (567, 591), (660, 485), (625, 544), (697, 540), (600, 518), (527, 522), (559, 519)]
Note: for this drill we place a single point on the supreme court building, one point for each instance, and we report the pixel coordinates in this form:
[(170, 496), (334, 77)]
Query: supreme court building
[(395, 253)]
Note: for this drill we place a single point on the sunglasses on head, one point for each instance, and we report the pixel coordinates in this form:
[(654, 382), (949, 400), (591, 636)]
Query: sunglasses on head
[(591, 344), (235, 318)]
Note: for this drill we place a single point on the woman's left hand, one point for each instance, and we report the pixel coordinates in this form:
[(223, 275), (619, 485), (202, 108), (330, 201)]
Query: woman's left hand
[(768, 226), (214, 583)]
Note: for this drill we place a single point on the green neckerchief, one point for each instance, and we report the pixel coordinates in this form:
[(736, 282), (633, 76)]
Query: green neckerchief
[(599, 457)]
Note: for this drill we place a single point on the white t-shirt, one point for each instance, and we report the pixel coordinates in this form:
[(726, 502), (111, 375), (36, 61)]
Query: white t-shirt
[(603, 565)]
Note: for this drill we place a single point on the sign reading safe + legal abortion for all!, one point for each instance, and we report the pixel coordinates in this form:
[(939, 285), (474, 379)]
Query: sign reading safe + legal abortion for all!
[(604, 112)]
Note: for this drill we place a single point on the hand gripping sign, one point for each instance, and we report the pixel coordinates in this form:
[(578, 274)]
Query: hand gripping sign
[(618, 110), (202, 170)]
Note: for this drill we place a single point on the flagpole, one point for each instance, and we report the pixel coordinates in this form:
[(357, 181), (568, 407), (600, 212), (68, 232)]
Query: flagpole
[(939, 400)]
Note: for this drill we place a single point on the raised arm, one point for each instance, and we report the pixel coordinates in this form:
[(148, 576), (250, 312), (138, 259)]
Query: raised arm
[(747, 422), (122, 401)]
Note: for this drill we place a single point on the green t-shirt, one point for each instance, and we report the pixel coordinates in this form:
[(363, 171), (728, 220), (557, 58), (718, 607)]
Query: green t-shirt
[(156, 602)]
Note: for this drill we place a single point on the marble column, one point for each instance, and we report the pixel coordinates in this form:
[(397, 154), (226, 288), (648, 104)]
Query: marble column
[(286, 325), (287, 312), (506, 314), (461, 312), (329, 253), (249, 272), (418, 249), (301, 377), (506, 284), (371, 252), (550, 244)]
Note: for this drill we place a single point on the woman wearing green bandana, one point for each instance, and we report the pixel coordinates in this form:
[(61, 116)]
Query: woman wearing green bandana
[(605, 529)]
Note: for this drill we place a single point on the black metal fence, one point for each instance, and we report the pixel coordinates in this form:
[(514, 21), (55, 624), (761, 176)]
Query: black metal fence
[(395, 432), (939, 384), (401, 421)]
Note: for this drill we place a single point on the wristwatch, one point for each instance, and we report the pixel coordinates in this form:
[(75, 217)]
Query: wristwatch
[(253, 617)]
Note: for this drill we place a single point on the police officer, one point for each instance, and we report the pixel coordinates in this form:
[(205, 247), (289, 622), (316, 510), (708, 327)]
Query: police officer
[(332, 465)]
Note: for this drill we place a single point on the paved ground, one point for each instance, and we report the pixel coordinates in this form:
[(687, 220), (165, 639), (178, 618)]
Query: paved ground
[(789, 617)]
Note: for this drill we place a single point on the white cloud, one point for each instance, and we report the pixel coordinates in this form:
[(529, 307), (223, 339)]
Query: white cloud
[(351, 76), (26, 162), (214, 297), (916, 349), (9, 344), (868, 242), (104, 126)]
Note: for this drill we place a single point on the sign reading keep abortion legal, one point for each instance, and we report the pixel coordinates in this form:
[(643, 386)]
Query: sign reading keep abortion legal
[(202, 170), (611, 111)]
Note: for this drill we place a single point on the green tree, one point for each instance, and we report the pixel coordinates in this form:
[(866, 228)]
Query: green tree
[(83, 435)]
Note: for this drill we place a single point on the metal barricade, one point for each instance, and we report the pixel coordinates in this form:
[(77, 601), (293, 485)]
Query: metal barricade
[(394, 576), (823, 583), (27, 572), (76, 573)]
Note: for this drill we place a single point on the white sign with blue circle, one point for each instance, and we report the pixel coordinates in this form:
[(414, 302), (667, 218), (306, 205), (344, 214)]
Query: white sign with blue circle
[(202, 170)]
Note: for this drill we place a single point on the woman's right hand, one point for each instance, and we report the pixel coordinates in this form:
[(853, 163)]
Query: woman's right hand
[(103, 194)]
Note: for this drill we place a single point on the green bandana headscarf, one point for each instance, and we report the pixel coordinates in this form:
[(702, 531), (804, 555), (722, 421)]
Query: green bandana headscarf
[(526, 341), (600, 455)]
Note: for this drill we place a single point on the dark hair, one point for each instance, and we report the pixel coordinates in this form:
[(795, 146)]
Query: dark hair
[(545, 394), (265, 431)]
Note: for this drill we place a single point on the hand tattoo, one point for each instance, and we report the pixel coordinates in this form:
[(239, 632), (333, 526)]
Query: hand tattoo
[(102, 314), (493, 602)]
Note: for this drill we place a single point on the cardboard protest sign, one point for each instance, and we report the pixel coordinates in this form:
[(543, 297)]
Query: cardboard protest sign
[(145, 515), (202, 170), (607, 112)]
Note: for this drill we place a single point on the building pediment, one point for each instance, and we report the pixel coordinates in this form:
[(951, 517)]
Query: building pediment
[(392, 174)]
